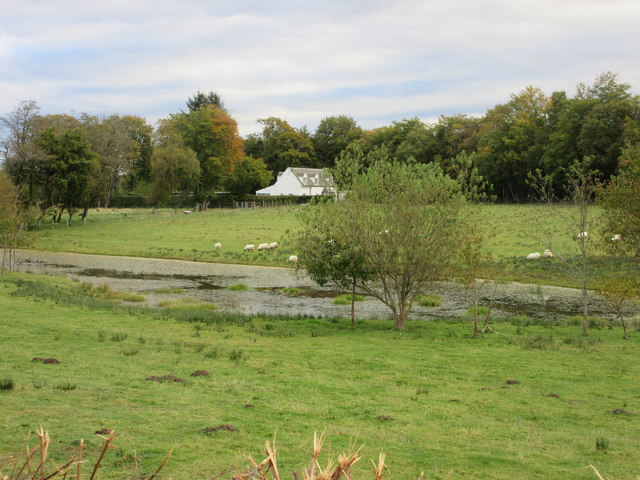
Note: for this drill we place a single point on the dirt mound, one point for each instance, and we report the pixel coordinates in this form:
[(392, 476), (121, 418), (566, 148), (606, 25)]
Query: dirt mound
[(225, 427), (164, 378)]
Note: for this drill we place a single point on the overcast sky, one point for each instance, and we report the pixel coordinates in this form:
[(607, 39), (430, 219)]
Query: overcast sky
[(377, 61)]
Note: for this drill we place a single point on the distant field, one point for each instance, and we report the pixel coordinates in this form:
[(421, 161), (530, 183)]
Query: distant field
[(514, 231), (531, 401)]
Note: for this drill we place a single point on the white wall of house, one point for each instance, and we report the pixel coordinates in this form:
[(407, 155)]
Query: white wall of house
[(288, 183)]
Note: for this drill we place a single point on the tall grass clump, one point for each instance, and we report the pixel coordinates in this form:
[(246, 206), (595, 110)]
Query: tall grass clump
[(345, 299), (7, 384), (429, 300)]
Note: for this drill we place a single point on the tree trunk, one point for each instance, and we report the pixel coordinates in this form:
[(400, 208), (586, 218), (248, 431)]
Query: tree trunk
[(624, 327), (401, 316), (585, 312), (353, 303)]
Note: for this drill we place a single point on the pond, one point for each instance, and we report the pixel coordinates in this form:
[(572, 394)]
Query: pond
[(282, 291)]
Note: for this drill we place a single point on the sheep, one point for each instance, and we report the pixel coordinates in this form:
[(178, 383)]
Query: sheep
[(582, 235), (217, 246), (273, 245), (533, 256), (293, 259), (548, 253), (616, 238), (263, 246), (249, 247)]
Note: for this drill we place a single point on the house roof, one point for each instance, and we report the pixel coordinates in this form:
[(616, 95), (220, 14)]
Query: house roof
[(310, 177)]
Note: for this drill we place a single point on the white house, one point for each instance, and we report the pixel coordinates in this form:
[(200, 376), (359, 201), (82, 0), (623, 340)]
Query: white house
[(301, 181)]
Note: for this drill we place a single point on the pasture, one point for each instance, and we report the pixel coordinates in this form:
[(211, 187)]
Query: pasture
[(534, 400), (513, 231)]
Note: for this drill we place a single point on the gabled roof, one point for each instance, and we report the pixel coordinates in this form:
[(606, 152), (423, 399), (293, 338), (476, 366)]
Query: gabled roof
[(312, 177)]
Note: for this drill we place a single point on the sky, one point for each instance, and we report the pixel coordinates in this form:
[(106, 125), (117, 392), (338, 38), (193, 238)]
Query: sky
[(377, 61)]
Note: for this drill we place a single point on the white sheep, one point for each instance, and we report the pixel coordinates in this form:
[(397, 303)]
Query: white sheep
[(263, 246), (533, 256), (273, 245), (293, 259), (548, 253), (217, 246), (249, 247), (582, 235), (616, 238)]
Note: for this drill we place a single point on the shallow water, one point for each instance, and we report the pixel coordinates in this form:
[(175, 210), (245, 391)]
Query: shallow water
[(209, 282)]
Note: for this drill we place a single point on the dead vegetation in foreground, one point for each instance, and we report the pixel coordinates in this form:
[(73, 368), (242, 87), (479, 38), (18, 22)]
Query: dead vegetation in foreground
[(35, 464)]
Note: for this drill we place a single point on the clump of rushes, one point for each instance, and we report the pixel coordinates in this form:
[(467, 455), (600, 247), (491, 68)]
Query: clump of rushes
[(429, 300), (31, 463), (7, 384), (345, 299), (240, 287)]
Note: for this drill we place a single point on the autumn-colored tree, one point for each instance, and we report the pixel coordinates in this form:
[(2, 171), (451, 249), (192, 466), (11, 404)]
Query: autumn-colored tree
[(213, 135)]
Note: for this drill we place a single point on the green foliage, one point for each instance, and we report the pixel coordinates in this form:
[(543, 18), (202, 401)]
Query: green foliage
[(239, 287), (621, 202), (281, 146), (249, 175), (332, 136)]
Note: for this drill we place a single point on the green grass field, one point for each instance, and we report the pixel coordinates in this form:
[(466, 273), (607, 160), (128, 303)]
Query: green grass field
[(513, 231), (531, 401)]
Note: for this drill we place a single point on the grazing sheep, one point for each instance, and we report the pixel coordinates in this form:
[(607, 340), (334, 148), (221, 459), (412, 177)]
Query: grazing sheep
[(548, 253), (263, 246), (582, 235), (273, 245), (533, 256), (249, 247), (616, 238), (293, 259), (217, 246)]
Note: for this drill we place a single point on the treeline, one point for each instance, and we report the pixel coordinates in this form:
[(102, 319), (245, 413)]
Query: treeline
[(74, 162)]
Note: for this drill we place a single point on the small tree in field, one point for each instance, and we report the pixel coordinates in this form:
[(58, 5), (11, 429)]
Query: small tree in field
[(581, 187), (14, 219), (324, 255), (402, 224)]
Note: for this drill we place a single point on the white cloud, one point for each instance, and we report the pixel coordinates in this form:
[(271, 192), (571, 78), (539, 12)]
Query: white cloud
[(373, 60)]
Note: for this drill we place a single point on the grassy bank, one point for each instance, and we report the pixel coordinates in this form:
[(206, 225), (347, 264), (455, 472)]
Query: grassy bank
[(513, 231), (532, 401)]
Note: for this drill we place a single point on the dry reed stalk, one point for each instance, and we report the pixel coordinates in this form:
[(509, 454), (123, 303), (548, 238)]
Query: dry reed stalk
[(377, 469), (80, 451), (161, 465), (597, 472)]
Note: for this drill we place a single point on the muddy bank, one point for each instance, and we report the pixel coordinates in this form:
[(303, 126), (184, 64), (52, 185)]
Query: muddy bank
[(269, 288)]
